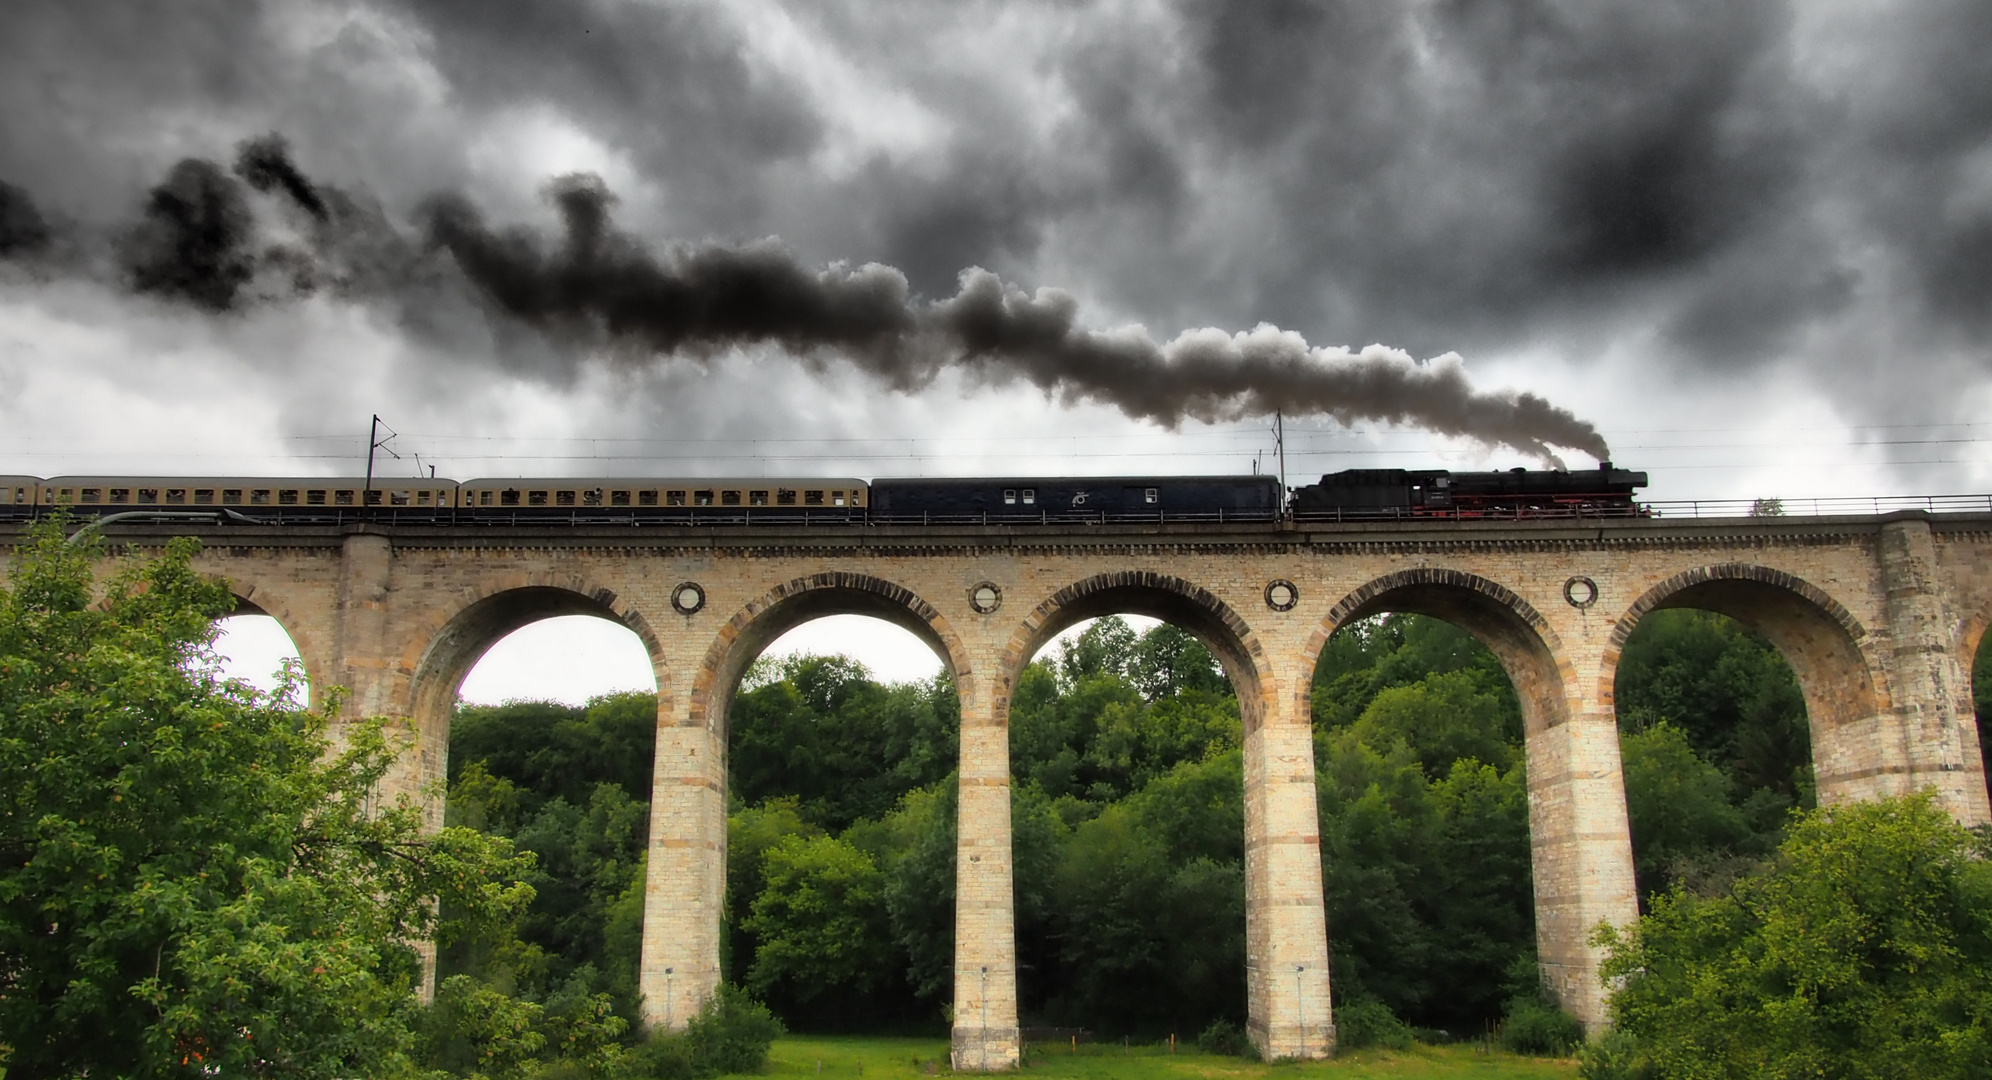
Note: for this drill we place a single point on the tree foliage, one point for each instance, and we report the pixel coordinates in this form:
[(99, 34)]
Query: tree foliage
[(189, 885), (819, 730), (1127, 821), (1864, 949)]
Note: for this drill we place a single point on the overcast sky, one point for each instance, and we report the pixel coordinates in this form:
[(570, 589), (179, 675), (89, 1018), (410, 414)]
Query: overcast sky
[(1749, 241)]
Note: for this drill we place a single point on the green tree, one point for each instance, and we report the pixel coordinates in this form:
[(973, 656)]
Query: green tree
[(1146, 906), (1863, 950), (920, 894), (1167, 661), (1105, 647), (551, 750), (1373, 655), (819, 729), (1441, 718), (1729, 690), (821, 922), (1683, 825), (750, 834), (188, 884)]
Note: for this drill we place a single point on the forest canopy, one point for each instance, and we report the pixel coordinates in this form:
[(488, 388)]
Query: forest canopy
[(1128, 822)]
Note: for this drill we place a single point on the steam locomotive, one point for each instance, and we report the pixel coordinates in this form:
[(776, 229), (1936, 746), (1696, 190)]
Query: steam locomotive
[(1354, 494)]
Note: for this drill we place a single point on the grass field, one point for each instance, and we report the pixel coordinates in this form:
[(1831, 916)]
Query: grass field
[(905, 1059)]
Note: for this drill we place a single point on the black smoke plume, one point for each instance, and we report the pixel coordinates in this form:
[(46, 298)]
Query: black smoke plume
[(596, 285), (265, 164), (192, 243), (596, 280), (23, 230)]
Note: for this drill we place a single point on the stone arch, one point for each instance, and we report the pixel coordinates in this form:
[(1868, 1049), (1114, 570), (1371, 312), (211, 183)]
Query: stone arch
[(451, 638), (1510, 627), (1580, 846), (252, 600), (1818, 637), (1173, 600), (788, 605)]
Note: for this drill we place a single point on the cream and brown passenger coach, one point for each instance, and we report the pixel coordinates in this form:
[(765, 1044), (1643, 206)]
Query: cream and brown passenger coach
[(509, 493), (796, 494)]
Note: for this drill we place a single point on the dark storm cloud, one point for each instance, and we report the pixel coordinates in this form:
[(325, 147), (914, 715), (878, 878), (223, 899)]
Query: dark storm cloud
[(23, 230), (1710, 185), (666, 83)]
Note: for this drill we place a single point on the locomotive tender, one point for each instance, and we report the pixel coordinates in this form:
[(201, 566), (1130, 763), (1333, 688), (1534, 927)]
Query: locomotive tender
[(1354, 494)]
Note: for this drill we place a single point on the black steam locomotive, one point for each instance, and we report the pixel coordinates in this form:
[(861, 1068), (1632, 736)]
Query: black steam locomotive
[(1438, 493)]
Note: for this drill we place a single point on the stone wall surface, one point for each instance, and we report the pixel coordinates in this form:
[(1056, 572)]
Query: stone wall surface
[(1879, 616)]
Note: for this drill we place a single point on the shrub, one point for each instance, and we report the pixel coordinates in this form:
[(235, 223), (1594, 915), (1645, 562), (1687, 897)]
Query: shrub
[(1536, 1027), (1225, 1038), (1615, 1056), (1369, 1022), (1863, 949), (731, 1034)]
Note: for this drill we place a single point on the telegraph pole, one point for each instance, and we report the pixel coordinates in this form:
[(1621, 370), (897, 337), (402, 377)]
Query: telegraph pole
[(375, 442), (1279, 446)]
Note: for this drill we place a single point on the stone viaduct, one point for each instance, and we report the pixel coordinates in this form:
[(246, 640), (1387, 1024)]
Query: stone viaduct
[(1879, 616)]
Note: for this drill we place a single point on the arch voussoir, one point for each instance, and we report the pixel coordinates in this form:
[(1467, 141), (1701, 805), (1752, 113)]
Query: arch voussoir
[(1029, 635), (721, 664), (1658, 595)]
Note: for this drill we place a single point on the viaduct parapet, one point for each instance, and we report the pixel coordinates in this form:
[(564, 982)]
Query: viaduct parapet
[(1879, 616)]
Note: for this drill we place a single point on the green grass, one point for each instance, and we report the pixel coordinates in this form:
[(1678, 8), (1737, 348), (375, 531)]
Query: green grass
[(907, 1059)]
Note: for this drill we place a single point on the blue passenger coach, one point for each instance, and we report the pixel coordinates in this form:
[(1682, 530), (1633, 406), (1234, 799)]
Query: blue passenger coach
[(1067, 498)]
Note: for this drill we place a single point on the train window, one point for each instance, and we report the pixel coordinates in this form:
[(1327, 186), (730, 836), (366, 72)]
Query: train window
[(701, 498), (1009, 496), (422, 497), (176, 496), (314, 497), (646, 498), (398, 498), (836, 498), (784, 496), (729, 498), (345, 498), (286, 496), (1148, 496), (618, 498), (757, 498), (148, 495), (372, 497), (259, 497), (563, 498), (812, 498), (1030, 496), (120, 495), (231, 496), (508, 497), (90, 495), (535, 498), (674, 498), (592, 498), (204, 496)]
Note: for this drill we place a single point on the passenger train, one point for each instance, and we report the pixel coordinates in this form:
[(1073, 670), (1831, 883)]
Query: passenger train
[(1354, 494)]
